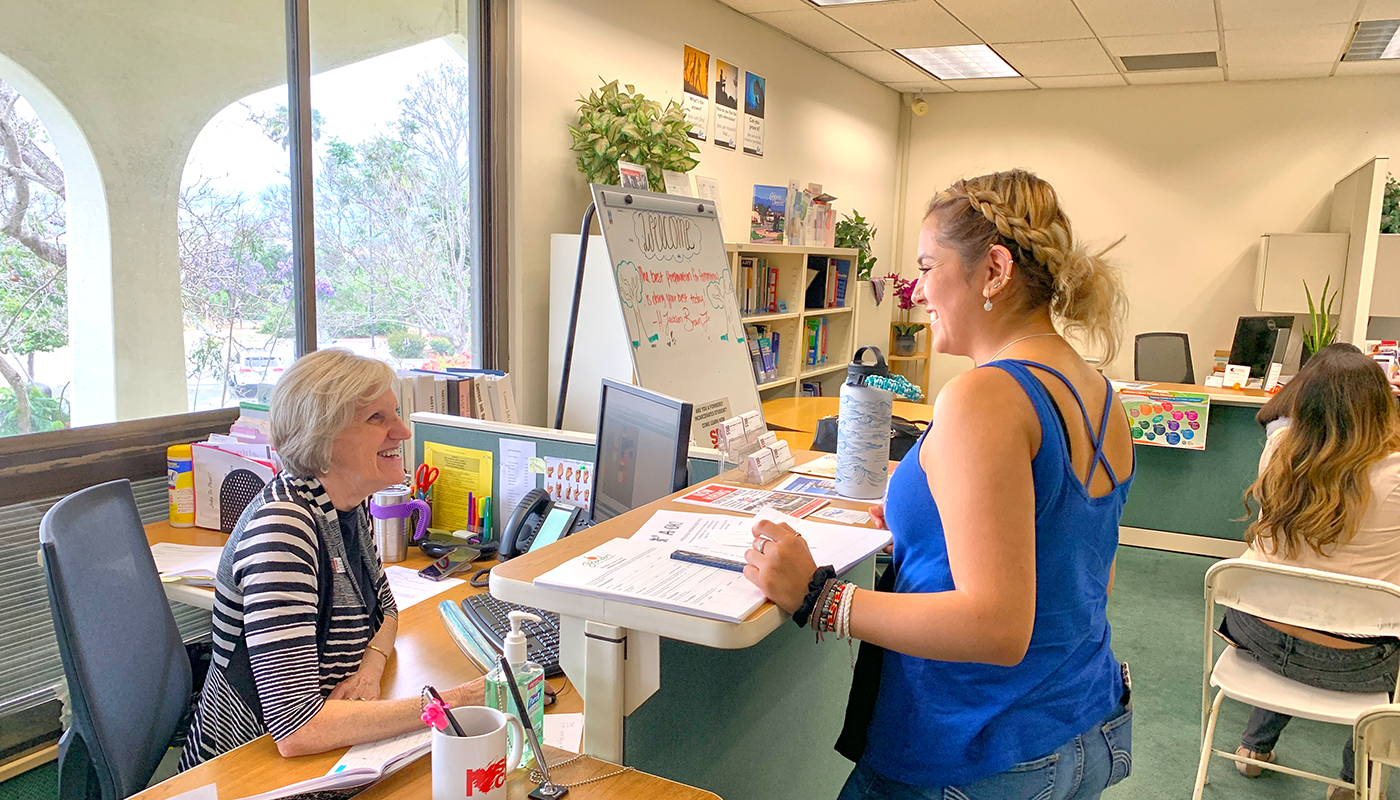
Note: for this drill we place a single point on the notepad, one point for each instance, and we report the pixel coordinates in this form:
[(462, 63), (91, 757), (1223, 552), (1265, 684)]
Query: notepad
[(362, 765)]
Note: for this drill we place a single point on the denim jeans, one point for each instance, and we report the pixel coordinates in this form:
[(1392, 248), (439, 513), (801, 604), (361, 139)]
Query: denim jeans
[(1369, 669), (1079, 770)]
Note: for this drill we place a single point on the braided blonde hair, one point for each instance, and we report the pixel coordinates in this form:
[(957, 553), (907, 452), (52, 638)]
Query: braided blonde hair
[(1020, 211)]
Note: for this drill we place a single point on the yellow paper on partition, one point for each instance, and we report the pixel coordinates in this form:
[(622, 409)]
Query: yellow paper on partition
[(460, 471)]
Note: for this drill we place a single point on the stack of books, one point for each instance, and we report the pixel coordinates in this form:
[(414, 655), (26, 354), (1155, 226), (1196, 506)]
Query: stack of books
[(763, 351), (758, 286), (478, 393)]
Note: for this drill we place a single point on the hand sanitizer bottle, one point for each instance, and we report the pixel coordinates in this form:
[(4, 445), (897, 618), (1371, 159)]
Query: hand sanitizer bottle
[(529, 679)]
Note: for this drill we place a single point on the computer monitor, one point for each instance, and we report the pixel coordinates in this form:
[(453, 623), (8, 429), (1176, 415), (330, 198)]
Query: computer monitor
[(643, 440), (1260, 341)]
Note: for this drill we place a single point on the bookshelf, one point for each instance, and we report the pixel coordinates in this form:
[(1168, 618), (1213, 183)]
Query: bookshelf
[(791, 268)]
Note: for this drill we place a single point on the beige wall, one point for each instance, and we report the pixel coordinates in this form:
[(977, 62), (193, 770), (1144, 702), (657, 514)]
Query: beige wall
[(825, 123), (1192, 174)]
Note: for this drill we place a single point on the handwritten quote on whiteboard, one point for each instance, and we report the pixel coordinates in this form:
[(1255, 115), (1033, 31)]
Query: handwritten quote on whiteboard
[(667, 295)]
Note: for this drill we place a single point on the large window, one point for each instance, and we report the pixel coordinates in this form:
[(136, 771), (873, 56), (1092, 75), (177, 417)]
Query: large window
[(146, 237)]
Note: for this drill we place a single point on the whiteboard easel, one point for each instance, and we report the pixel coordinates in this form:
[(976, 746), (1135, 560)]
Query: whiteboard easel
[(678, 301)]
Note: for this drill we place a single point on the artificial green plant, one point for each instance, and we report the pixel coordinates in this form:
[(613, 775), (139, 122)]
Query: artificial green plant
[(1390, 206), (854, 231), (618, 123), (1320, 332)]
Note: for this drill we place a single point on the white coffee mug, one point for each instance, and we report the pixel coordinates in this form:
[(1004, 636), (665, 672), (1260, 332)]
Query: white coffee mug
[(475, 766)]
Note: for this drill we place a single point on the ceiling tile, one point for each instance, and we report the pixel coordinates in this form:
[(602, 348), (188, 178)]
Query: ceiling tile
[(1081, 81), (1265, 46), (1177, 76), (811, 27), (1143, 17), (1198, 42), (1044, 59), (910, 23), (880, 65), (1387, 66), (989, 84), (755, 6), (1244, 14), (1274, 72), (930, 86), (1380, 9), (1041, 21)]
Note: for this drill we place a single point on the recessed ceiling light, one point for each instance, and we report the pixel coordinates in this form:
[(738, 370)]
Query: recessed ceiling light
[(960, 61), (1374, 40), (1163, 61)]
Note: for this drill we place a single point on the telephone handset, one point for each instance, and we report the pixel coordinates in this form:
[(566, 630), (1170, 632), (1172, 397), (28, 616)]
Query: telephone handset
[(524, 524)]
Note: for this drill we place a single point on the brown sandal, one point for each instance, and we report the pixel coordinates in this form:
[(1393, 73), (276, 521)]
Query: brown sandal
[(1250, 770)]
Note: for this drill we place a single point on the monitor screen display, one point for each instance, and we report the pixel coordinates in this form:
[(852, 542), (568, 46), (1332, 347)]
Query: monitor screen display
[(643, 438), (1260, 341)]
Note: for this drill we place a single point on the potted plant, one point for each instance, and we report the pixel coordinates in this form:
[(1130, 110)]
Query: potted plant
[(904, 330), (1390, 207), (1320, 331), (854, 231), (617, 122)]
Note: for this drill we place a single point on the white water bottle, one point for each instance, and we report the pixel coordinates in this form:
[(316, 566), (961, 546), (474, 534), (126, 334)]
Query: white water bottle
[(863, 430)]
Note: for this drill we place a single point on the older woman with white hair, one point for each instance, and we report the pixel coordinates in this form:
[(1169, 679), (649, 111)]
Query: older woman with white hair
[(304, 621)]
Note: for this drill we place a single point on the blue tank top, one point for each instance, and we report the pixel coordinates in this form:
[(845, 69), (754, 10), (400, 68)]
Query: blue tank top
[(946, 723)]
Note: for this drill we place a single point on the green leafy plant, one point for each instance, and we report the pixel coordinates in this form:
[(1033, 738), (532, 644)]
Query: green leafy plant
[(855, 231), (1390, 206), (907, 328), (441, 346), (45, 413), (406, 345), (1321, 332), (617, 122)]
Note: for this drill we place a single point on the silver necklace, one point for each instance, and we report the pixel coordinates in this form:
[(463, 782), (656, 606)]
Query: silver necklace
[(1014, 341)]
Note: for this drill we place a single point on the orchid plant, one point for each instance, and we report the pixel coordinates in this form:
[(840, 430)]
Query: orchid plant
[(904, 294)]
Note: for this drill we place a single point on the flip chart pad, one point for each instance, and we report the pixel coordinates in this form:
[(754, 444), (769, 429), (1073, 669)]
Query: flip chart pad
[(678, 301)]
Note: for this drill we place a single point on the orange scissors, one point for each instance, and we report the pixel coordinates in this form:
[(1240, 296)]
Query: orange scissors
[(424, 478)]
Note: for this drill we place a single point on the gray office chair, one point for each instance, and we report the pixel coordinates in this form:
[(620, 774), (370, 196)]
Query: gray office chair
[(128, 673), (1162, 358)]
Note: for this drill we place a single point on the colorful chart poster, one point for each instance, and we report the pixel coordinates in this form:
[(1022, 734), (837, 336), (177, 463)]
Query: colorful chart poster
[(755, 107), (727, 91), (1167, 419), (696, 87)]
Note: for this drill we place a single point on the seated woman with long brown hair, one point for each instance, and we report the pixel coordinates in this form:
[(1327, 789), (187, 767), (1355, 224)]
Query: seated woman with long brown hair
[(1328, 496)]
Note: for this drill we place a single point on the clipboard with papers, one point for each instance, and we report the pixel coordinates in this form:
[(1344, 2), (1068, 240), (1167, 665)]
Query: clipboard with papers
[(640, 569)]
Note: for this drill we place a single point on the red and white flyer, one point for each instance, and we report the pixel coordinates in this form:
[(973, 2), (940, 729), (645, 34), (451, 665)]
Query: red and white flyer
[(723, 497)]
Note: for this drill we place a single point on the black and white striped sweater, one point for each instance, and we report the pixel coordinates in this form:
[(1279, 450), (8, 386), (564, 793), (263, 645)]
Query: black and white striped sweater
[(289, 623)]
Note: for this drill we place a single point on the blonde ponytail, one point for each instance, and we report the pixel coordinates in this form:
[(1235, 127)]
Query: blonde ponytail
[(1020, 211)]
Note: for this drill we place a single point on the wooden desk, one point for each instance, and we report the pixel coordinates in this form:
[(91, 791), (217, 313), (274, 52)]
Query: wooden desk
[(802, 413), (424, 653), (1230, 397)]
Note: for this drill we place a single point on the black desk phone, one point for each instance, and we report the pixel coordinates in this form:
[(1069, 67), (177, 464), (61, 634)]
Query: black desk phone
[(537, 521)]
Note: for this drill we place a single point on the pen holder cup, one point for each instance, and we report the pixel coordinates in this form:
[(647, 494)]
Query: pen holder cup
[(475, 765)]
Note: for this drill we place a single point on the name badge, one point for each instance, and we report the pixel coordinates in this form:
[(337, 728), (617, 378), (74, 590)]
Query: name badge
[(337, 565)]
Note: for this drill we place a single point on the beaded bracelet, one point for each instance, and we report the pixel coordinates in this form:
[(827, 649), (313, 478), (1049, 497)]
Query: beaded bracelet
[(814, 590)]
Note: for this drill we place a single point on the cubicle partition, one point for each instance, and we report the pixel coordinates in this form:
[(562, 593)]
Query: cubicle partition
[(752, 722)]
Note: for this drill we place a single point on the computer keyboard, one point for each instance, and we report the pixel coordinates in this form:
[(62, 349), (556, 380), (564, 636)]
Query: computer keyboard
[(492, 620)]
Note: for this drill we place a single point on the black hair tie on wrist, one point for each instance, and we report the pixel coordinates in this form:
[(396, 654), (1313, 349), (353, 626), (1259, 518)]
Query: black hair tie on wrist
[(814, 589)]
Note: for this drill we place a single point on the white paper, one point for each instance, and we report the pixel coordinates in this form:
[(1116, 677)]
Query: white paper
[(209, 791), (824, 467), (841, 516), (410, 589), (723, 534), (708, 189), (677, 183), (516, 478), (644, 573), (564, 731), (194, 563), (839, 545), (377, 755)]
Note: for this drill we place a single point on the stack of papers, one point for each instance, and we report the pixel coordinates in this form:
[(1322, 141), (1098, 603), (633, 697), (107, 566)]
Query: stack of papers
[(362, 765), (640, 569), (189, 563)]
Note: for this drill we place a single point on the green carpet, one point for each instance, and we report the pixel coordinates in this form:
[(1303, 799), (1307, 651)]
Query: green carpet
[(1156, 613)]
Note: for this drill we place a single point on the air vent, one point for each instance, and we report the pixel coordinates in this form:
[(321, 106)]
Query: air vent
[(1375, 39), (1169, 61)]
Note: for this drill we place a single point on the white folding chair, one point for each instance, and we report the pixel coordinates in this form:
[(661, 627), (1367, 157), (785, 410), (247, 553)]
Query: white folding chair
[(1377, 738), (1307, 598)]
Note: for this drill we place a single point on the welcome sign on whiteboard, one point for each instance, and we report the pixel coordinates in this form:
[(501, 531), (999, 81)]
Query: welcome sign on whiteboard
[(678, 301)]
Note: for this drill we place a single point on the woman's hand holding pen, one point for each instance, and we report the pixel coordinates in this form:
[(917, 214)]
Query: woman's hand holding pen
[(780, 563)]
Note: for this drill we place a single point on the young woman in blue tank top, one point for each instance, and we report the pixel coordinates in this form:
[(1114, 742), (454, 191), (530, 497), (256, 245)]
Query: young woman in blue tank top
[(997, 679)]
